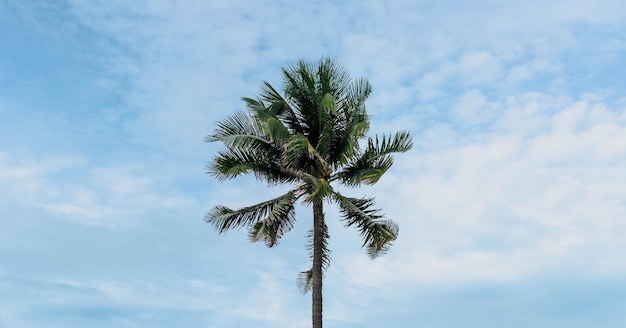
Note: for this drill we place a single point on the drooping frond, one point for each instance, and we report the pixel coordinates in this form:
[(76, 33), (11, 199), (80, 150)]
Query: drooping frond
[(223, 218), (305, 281), (378, 233), (305, 278), (381, 235), (375, 160), (279, 221)]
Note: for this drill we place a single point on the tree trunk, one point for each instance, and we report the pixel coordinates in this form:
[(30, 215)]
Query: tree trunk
[(318, 240)]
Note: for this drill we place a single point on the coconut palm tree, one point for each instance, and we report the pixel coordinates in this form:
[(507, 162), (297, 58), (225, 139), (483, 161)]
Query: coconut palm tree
[(312, 136)]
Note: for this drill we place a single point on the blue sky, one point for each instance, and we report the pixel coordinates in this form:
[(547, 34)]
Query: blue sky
[(511, 205)]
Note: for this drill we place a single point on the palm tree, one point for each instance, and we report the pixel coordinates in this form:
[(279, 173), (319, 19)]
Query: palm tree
[(307, 138)]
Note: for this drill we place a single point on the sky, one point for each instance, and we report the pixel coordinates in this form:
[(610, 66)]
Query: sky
[(511, 204)]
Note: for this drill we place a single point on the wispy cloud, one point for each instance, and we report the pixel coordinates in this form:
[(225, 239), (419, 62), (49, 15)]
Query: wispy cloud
[(510, 203), (516, 177)]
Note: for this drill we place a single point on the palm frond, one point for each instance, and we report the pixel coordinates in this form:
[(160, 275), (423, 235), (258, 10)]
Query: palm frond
[(300, 90), (334, 77), (274, 128), (378, 233), (359, 92), (298, 154), (249, 149), (253, 104), (305, 281), (400, 143), (269, 94), (223, 218), (240, 130), (316, 188), (327, 124), (305, 278), (279, 221), (273, 105), (375, 160), (299, 146), (271, 101), (381, 236), (263, 163), (328, 106), (345, 144)]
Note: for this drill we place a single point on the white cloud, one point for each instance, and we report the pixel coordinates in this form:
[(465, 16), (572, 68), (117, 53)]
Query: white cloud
[(529, 70), (268, 303), (473, 107), (514, 174), (104, 196), (541, 197), (479, 67)]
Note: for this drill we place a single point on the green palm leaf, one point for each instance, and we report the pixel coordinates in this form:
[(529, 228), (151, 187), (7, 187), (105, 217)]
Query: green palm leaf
[(279, 221), (375, 160), (265, 165), (345, 144), (299, 155), (316, 188), (275, 129), (280, 208), (304, 280), (327, 114), (377, 233), (281, 108), (240, 131)]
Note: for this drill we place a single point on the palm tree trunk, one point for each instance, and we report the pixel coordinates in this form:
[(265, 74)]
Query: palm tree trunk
[(318, 240)]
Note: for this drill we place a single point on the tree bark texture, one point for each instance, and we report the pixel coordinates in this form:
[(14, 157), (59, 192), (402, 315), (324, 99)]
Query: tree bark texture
[(318, 240)]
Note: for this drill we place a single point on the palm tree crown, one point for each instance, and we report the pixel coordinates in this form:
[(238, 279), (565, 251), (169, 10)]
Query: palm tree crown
[(309, 137)]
